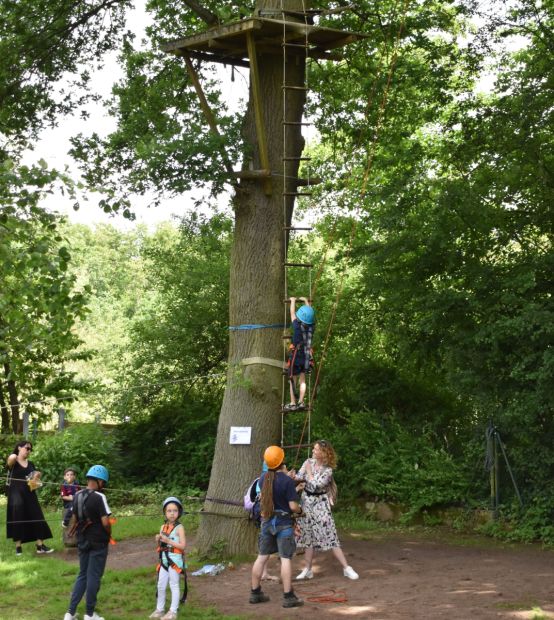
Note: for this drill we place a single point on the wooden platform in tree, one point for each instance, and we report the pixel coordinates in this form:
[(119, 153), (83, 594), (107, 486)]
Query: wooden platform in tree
[(228, 43)]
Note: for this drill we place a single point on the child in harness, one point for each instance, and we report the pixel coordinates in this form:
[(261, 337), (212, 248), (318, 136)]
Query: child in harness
[(171, 549), (300, 360)]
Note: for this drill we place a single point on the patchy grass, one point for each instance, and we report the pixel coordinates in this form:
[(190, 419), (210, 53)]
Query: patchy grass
[(38, 587)]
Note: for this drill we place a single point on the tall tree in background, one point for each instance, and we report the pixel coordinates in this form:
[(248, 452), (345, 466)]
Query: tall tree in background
[(457, 253), (46, 52), (39, 303), (256, 280), (162, 145)]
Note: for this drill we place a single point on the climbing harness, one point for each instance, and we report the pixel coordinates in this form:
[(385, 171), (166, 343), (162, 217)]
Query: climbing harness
[(164, 549)]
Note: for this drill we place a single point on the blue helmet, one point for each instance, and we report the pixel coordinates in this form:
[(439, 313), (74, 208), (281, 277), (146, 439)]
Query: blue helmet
[(172, 500), (99, 472), (306, 314)]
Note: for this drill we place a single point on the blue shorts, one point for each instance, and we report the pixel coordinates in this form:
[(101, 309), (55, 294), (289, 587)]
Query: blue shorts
[(277, 535)]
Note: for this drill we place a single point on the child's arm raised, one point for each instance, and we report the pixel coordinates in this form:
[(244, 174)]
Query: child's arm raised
[(293, 309)]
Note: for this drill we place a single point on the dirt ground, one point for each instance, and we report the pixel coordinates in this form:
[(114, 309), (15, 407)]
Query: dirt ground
[(401, 576)]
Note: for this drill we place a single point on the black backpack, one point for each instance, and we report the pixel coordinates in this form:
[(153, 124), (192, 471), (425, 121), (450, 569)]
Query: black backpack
[(82, 520)]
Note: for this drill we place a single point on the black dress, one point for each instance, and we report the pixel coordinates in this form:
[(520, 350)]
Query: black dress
[(25, 520)]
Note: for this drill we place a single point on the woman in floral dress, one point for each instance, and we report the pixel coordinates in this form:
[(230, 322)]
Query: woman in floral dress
[(317, 527)]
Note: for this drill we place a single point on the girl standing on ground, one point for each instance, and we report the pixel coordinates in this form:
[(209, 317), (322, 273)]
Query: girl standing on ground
[(25, 520), (171, 547), (317, 527)]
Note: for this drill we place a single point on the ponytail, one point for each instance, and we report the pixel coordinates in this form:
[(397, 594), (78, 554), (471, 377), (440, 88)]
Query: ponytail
[(266, 499)]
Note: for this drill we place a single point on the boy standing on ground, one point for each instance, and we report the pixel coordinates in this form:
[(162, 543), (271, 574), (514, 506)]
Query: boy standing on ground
[(91, 518)]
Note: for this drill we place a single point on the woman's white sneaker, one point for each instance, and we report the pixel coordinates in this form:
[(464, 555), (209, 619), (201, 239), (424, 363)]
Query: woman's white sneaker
[(350, 573), (307, 573)]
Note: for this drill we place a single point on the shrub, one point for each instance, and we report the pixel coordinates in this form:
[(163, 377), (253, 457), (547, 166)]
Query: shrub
[(380, 459), (80, 447)]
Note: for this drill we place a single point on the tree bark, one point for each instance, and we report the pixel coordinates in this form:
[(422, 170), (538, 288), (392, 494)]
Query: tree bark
[(5, 412), (14, 399), (253, 393)]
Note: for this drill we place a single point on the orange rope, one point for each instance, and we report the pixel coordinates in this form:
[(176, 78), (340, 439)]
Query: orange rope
[(324, 596)]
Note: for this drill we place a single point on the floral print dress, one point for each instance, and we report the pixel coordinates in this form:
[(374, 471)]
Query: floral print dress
[(317, 527)]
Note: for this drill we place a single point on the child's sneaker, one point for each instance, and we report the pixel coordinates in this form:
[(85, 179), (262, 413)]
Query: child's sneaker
[(170, 615), (44, 549), (18, 551), (156, 614), (300, 407), (291, 600), (290, 407), (94, 616), (68, 616)]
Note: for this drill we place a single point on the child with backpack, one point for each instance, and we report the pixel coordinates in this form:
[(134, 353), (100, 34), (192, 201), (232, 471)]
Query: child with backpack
[(252, 505), (91, 522), (171, 548), (300, 357)]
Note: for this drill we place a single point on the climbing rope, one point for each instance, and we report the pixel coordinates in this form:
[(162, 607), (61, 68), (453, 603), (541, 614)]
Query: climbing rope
[(288, 46), (367, 171)]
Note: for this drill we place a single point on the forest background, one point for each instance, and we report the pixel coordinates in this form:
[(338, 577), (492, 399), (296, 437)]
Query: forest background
[(434, 220)]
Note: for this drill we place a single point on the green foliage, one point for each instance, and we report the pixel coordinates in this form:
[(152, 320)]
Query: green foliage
[(41, 43), (173, 445), (534, 521), (109, 263), (178, 334), (126, 594), (40, 300), (381, 459), (80, 446)]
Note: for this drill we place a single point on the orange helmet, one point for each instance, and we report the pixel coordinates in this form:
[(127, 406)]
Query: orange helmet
[(274, 456)]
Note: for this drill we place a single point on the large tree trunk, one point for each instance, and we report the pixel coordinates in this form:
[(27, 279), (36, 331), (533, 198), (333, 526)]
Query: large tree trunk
[(253, 393)]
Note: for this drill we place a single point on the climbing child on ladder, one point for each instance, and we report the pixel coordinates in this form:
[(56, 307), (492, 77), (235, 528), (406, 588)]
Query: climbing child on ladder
[(300, 356)]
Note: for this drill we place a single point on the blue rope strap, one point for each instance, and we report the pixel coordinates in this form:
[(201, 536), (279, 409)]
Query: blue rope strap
[(235, 328)]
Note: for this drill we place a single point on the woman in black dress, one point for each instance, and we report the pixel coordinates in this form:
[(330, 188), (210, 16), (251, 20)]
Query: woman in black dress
[(25, 521)]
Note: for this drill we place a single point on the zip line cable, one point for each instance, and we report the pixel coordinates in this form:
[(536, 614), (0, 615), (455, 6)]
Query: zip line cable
[(131, 388), (110, 490), (55, 518)]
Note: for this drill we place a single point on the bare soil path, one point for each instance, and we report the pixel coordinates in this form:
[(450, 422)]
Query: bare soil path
[(401, 576)]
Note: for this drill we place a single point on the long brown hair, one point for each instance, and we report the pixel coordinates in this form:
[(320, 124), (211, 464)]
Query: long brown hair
[(329, 453), (266, 497)]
